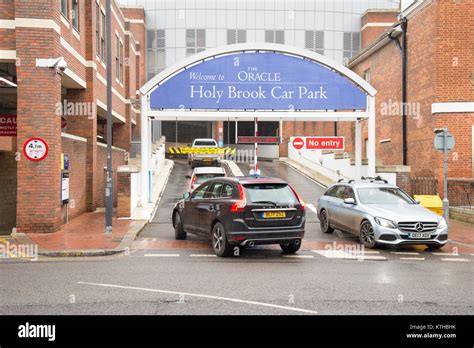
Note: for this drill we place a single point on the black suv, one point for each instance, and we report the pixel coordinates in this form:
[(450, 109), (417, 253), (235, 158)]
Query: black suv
[(242, 211)]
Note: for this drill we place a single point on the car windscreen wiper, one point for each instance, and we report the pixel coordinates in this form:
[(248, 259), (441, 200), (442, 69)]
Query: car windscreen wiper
[(265, 202)]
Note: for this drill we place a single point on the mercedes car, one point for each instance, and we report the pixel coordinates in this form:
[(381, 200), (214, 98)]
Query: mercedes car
[(242, 212), (380, 214)]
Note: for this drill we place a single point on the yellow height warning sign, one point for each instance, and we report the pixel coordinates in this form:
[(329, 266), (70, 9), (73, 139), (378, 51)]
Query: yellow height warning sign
[(202, 150)]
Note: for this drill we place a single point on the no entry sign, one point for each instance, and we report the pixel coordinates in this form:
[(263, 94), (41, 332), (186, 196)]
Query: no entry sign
[(319, 143), (35, 149), (298, 143)]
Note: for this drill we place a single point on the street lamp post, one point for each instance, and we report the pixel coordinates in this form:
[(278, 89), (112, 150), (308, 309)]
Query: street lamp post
[(109, 186)]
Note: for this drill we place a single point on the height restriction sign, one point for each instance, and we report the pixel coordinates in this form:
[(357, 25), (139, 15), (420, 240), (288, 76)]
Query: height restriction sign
[(35, 149)]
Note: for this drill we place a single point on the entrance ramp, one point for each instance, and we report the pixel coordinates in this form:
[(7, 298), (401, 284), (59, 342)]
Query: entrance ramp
[(311, 173)]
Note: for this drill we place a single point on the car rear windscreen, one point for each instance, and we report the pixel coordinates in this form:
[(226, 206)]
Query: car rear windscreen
[(205, 143), (200, 178), (279, 194)]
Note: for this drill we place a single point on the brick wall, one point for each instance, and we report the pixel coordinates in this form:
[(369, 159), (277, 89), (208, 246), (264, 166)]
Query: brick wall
[(39, 89), (371, 24), (440, 69), (461, 192)]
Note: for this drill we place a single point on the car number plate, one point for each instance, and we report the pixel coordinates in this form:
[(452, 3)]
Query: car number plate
[(273, 214), (418, 235)]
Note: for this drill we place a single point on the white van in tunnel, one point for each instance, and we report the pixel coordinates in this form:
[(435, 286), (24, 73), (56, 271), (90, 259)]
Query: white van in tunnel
[(205, 159)]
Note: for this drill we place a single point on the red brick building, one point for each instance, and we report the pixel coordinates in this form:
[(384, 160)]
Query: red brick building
[(440, 89), (65, 108)]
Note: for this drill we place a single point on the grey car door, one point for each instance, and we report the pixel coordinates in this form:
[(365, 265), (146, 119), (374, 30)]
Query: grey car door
[(347, 214), (333, 205)]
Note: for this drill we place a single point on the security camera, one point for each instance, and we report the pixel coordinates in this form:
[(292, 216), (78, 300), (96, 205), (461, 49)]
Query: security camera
[(438, 130), (60, 64)]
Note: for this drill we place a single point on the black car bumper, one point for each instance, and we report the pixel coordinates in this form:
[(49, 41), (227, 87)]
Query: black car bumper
[(266, 236)]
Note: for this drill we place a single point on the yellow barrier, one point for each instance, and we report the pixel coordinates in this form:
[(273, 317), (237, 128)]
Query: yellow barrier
[(202, 150), (431, 202)]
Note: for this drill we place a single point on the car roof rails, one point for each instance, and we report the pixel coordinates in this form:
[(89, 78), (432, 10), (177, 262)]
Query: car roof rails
[(340, 180), (351, 181), (372, 179)]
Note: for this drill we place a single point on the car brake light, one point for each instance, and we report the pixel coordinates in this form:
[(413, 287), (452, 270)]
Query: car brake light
[(239, 206), (193, 181), (302, 203)]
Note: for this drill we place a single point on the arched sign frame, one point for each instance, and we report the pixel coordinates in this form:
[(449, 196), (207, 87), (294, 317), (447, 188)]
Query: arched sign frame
[(184, 114)]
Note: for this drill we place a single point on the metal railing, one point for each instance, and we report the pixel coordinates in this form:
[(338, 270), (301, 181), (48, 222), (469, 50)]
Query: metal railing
[(424, 185)]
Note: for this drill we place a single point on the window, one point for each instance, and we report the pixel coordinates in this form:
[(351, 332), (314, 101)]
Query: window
[(75, 14), (336, 191), (348, 193), (121, 62), (64, 8), (351, 45), (156, 57), (367, 75), (275, 36), (314, 41), (195, 41), (118, 58), (199, 192), (227, 191), (235, 36), (102, 36), (205, 143), (278, 194), (215, 191), (117, 64), (97, 28), (200, 178)]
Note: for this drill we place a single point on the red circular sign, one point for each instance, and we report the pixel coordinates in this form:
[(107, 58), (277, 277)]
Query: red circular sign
[(35, 149), (298, 143)]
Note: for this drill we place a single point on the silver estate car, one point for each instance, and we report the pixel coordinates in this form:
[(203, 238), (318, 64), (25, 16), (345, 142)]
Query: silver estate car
[(379, 213)]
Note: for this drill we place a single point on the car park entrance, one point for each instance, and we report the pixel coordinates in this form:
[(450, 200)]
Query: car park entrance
[(274, 84)]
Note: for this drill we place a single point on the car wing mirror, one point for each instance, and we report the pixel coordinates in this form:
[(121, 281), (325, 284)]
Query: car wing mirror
[(187, 176), (349, 201), (417, 201)]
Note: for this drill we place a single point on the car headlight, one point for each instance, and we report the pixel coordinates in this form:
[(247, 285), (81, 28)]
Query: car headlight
[(385, 223), (442, 223)]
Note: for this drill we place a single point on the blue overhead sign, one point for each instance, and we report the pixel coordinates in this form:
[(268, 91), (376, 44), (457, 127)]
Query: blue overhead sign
[(258, 81)]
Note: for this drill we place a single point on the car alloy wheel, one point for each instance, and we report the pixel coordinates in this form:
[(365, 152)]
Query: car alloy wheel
[(324, 221), (219, 241), (367, 235)]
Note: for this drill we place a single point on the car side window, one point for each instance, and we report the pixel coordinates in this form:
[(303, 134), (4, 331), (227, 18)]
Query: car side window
[(214, 191), (339, 193), (348, 193), (331, 191), (227, 191), (200, 191)]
